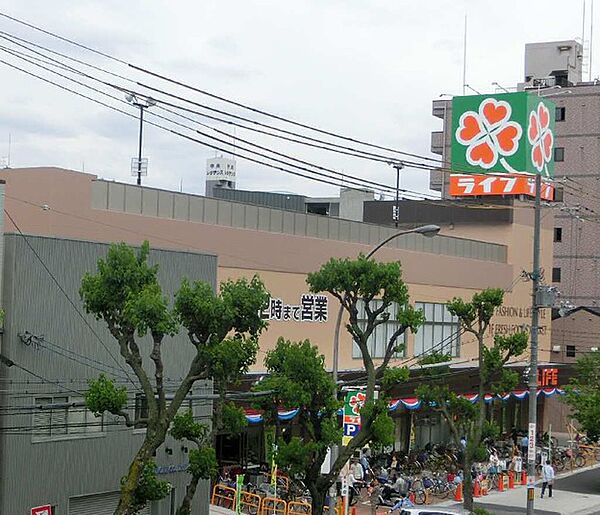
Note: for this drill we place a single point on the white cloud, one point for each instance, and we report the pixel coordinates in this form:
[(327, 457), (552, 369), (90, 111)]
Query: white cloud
[(366, 69)]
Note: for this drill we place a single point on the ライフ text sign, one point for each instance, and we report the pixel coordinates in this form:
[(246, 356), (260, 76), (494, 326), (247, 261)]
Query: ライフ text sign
[(42, 510), (481, 185)]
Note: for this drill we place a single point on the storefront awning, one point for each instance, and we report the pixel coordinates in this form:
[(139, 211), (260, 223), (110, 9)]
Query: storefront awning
[(413, 403)]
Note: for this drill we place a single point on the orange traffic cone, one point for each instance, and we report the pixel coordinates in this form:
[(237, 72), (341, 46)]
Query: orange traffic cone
[(501, 483), (353, 510), (511, 479), (476, 489), (524, 478), (458, 497)]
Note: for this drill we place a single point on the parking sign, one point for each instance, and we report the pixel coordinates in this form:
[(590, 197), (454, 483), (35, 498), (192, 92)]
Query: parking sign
[(42, 510)]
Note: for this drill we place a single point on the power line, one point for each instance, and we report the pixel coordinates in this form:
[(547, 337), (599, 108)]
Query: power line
[(185, 136), (212, 95), (65, 294), (347, 177)]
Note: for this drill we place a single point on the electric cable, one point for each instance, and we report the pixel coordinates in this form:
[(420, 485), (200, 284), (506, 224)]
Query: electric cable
[(66, 295)]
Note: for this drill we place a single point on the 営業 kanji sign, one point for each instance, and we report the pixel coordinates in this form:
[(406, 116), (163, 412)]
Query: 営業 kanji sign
[(504, 133)]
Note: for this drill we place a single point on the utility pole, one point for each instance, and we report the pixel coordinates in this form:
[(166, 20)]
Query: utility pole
[(533, 360), (397, 167)]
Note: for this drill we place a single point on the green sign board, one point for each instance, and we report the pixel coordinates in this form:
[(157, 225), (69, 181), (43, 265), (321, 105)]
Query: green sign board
[(504, 133)]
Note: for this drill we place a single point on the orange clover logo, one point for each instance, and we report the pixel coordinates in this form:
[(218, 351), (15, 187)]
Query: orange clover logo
[(488, 133), (540, 136)]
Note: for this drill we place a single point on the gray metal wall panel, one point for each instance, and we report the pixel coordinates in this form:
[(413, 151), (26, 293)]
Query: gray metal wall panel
[(116, 196), (99, 195), (224, 213), (264, 219), (251, 217), (181, 207), (196, 209), (276, 220), (210, 211), (133, 199), (165, 204), (56, 470), (150, 202)]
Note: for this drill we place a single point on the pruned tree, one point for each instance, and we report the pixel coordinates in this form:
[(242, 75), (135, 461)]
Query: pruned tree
[(364, 285), (465, 418), (227, 417), (298, 379), (223, 330), (583, 394)]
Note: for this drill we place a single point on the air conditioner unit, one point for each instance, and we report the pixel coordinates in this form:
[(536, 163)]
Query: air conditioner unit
[(556, 348)]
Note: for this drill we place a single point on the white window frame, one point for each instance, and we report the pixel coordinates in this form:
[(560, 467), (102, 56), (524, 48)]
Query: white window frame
[(379, 339), (438, 326), (64, 423)]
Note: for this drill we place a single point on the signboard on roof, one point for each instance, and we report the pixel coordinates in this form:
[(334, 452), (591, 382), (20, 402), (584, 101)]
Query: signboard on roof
[(503, 133)]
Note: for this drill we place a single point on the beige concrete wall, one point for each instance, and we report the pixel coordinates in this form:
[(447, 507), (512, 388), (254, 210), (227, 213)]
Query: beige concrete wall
[(282, 260), (580, 329)]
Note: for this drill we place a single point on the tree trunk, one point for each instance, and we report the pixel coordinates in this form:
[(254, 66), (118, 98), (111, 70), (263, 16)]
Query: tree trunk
[(467, 482), (190, 491), (127, 500), (154, 438), (317, 495)]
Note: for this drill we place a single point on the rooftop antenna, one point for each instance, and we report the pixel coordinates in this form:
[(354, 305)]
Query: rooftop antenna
[(591, 38), (583, 25), (9, 145), (181, 185), (500, 87), (464, 81)]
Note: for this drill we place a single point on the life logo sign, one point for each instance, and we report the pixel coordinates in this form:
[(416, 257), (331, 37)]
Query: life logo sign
[(505, 133), (353, 403), (42, 510)]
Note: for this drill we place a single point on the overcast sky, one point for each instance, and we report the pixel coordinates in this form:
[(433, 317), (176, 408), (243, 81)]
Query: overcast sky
[(368, 69)]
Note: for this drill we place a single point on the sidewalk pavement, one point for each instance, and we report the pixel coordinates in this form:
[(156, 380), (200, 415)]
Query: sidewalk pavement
[(562, 502)]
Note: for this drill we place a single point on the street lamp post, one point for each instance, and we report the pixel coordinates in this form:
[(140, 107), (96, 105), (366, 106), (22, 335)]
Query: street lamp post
[(142, 103), (425, 230)]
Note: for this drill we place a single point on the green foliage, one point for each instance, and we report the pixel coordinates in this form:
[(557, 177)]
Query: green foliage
[(583, 394), (125, 293), (150, 488), (231, 358), (383, 429), (481, 511), (480, 309), (103, 395), (185, 427), (491, 430), (495, 357), (233, 418), (203, 463), (434, 358), (364, 277), (296, 455), (395, 375), (297, 378), (210, 317)]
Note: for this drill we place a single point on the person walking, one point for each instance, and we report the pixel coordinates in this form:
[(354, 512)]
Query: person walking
[(547, 479)]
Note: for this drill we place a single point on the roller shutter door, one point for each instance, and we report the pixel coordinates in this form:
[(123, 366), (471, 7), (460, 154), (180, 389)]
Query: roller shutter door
[(98, 504)]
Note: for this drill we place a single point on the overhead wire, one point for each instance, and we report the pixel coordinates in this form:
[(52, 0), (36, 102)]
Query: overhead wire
[(211, 95), (66, 295), (363, 183)]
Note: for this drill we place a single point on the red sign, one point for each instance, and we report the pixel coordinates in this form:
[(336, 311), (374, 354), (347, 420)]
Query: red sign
[(548, 377), (42, 510), (481, 185)]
